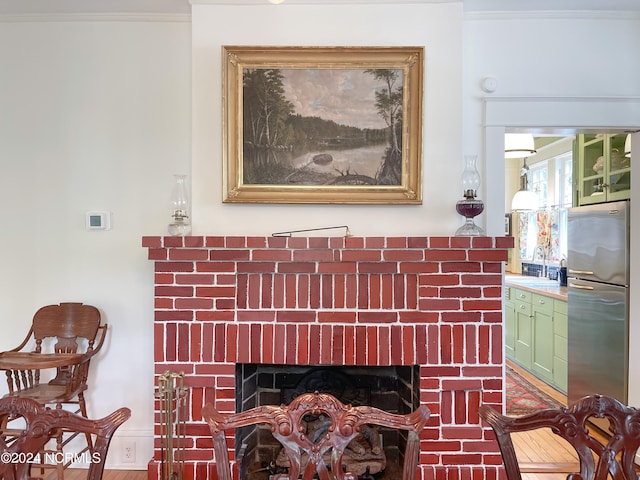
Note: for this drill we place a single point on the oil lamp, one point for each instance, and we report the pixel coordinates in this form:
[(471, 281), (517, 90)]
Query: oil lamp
[(470, 206), (181, 224)]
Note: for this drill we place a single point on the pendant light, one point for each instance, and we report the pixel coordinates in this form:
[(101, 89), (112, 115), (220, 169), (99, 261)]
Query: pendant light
[(518, 145), (521, 145), (524, 200)]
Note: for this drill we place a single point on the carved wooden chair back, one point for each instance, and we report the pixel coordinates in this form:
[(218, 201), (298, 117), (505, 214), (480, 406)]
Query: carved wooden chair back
[(42, 424), (612, 458), (73, 328), (344, 424)]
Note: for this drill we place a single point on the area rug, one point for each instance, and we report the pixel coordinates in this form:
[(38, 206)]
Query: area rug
[(523, 397)]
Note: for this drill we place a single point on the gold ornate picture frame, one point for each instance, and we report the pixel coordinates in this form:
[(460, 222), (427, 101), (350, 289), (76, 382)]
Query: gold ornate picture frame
[(328, 125)]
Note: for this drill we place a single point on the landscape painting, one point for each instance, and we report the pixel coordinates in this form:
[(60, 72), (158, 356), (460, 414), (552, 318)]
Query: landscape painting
[(323, 124)]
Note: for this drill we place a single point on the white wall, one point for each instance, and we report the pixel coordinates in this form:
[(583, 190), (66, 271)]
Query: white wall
[(93, 116), (438, 27)]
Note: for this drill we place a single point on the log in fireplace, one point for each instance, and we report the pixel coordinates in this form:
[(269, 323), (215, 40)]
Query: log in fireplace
[(429, 304)]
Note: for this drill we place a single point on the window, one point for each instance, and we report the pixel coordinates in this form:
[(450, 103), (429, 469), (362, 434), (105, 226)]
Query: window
[(548, 225), (538, 181)]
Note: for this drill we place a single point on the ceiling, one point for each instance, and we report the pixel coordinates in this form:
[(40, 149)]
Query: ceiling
[(25, 7)]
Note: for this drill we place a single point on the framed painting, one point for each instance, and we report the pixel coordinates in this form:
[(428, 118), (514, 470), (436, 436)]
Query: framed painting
[(329, 125)]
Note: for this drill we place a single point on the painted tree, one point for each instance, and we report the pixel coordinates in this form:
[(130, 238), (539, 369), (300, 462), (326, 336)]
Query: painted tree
[(389, 105)]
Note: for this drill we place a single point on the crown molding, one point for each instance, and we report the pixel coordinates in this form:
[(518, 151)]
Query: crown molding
[(95, 17), (553, 15)]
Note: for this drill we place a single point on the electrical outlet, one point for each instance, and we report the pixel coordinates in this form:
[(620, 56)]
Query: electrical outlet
[(128, 451)]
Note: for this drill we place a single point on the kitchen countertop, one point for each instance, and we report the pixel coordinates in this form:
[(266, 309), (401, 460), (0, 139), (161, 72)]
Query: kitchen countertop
[(543, 286)]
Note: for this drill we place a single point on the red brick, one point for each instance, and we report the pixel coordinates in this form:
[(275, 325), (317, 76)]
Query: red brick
[(326, 340), (194, 279), (419, 267), (216, 292), (488, 255), (290, 267), (416, 255), (384, 338), (314, 292), (399, 288), (163, 278), (290, 354), (482, 242), (228, 254), (372, 346), (374, 242), (335, 316), (337, 267), (461, 267), (418, 317), (505, 242), (173, 241), (235, 242), (482, 305), (438, 305), (214, 242), (151, 242), (188, 254), (318, 242), (326, 300), (271, 254), (409, 345), (354, 242), (305, 256), (303, 345), (349, 345), (337, 354), (157, 254), (361, 255), (216, 267), (398, 242), (170, 291)]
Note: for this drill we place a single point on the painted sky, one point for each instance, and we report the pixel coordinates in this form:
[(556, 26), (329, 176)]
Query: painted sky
[(344, 96)]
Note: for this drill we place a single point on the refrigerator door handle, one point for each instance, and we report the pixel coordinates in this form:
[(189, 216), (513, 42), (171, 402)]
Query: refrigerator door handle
[(580, 272), (583, 287)]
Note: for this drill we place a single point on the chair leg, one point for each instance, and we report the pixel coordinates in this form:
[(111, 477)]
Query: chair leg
[(83, 412)]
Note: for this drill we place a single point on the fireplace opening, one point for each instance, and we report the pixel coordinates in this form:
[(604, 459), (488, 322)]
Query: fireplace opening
[(376, 454)]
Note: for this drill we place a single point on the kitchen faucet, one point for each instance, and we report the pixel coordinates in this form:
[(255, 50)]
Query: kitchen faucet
[(543, 250)]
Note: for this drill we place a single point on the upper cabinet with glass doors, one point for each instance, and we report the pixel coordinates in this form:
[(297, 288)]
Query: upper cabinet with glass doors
[(603, 171)]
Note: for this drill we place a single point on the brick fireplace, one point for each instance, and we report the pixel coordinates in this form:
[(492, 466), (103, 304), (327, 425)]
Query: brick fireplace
[(434, 303)]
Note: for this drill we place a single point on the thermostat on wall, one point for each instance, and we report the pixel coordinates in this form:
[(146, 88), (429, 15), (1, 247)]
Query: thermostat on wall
[(98, 221)]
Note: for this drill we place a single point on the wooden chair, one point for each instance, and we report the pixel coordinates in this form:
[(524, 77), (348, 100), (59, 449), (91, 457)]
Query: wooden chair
[(599, 458), (40, 425), (51, 365), (305, 455)]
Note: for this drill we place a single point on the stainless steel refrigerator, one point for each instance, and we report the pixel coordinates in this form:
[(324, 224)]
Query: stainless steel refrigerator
[(598, 289)]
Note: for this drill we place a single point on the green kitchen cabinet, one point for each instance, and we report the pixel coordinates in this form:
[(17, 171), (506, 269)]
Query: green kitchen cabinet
[(536, 334), (542, 348), (603, 172), (523, 328)]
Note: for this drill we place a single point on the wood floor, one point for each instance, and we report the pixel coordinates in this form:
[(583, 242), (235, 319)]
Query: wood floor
[(536, 451), (542, 454)]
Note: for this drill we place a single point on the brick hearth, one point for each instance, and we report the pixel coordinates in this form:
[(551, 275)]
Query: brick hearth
[(428, 301)]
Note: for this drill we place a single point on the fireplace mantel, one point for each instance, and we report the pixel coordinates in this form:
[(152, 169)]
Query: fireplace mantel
[(435, 302)]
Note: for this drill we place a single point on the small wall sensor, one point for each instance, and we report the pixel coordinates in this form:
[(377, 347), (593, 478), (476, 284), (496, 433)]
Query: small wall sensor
[(98, 221)]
